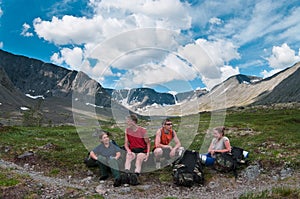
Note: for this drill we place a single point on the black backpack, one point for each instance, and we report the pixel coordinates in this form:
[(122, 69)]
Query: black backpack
[(226, 162), (188, 170), (89, 162)]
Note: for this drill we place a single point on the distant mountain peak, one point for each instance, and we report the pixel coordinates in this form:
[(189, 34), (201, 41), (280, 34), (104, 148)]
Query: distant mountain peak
[(245, 79)]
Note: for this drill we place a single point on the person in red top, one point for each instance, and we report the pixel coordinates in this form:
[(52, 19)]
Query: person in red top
[(137, 144), (163, 138)]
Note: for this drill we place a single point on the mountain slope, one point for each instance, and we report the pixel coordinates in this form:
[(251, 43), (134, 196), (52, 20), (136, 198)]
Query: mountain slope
[(241, 90), (63, 89), (286, 91), (56, 84), (9, 95)]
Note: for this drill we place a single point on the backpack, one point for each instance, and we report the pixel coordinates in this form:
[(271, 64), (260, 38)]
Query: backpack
[(188, 170), (226, 162), (89, 162)]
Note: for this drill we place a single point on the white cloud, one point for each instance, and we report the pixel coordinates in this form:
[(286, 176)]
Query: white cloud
[(72, 57), (263, 16), (110, 35), (153, 74), (282, 57), (225, 72), (25, 29), (168, 14), (109, 20), (210, 59), (215, 21), (112, 18), (1, 44), (266, 73), (288, 26), (70, 29), (1, 12)]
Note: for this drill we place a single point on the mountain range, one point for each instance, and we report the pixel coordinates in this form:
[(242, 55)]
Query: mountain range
[(50, 92)]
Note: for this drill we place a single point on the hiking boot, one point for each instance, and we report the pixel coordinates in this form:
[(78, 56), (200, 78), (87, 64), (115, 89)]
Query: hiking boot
[(133, 180), (117, 182), (103, 178), (125, 178)]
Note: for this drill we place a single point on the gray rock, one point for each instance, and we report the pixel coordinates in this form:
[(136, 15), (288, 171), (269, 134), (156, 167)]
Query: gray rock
[(26, 154), (101, 189), (285, 172), (252, 172)]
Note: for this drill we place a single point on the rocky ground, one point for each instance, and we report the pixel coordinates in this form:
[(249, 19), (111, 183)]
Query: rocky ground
[(253, 178)]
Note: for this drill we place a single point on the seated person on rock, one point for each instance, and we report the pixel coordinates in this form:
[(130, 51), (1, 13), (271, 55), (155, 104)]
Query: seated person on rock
[(163, 138), (219, 144), (107, 155), (137, 145)]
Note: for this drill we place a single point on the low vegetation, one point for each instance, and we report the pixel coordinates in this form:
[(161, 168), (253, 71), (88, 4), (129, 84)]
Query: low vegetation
[(273, 194), (271, 136)]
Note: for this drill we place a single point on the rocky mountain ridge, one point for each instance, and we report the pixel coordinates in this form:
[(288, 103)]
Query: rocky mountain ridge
[(21, 75), (240, 91)]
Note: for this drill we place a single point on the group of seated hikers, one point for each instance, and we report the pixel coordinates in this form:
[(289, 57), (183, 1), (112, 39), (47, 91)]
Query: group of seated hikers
[(137, 147)]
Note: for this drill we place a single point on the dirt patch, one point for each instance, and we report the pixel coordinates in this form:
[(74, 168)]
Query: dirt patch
[(38, 185)]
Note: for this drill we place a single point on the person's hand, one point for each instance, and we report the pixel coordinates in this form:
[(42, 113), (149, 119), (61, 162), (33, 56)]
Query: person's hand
[(172, 152), (115, 157), (146, 158), (130, 153)]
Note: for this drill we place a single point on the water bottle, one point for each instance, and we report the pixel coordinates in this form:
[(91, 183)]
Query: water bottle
[(208, 161), (202, 158), (245, 154)]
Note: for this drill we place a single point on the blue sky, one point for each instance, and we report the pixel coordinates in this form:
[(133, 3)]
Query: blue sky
[(167, 45)]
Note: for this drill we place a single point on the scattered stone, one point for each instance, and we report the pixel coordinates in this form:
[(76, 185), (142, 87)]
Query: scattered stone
[(48, 146), (213, 184), (7, 149), (26, 154), (26, 166), (101, 189), (86, 180), (144, 187), (251, 172), (124, 189), (285, 172)]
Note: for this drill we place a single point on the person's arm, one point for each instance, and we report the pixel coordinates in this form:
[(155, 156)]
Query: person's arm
[(176, 140), (177, 145), (210, 148), (126, 144), (147, 140), (118, 155), (93, 155)]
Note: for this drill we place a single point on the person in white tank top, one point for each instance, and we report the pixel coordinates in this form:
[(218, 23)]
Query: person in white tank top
[(219, 144)]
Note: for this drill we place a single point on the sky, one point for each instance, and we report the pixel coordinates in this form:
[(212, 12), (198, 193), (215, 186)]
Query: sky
[(168, 45)]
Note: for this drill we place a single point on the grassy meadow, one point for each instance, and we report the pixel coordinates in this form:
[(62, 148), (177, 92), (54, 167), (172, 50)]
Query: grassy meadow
[(271, 136)]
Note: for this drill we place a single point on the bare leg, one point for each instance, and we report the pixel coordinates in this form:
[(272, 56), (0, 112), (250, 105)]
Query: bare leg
[(129, 158), (158, 152), (139, 161)]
